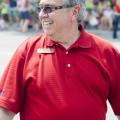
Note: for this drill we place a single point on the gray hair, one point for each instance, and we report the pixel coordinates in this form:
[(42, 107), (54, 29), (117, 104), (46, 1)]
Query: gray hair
[(82, 6)]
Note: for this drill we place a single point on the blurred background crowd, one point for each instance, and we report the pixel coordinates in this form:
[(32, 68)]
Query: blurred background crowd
[(22, 14), (19, 13)]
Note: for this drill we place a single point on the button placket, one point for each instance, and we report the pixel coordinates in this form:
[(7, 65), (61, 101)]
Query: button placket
[(68, 65)]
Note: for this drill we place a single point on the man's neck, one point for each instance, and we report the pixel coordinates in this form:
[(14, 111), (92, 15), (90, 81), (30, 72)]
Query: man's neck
[(68, 38)]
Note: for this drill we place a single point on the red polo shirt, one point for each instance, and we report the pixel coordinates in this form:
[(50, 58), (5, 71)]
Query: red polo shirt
[(55, 83)]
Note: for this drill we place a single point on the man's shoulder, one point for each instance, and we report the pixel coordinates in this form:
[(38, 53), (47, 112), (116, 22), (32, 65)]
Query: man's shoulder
[(31, 43), (100, 41), (102, 45), (35, 39)]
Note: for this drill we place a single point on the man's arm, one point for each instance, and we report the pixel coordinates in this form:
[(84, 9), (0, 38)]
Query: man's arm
[(118, 117), (6, 115)]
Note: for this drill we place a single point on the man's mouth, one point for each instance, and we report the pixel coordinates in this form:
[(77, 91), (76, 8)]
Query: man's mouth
[(46, 23)]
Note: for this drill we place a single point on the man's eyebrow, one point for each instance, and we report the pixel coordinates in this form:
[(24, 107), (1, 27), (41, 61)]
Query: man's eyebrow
[(46, 4)]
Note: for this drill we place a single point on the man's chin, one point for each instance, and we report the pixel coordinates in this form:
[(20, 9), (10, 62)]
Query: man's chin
[(49, 33)]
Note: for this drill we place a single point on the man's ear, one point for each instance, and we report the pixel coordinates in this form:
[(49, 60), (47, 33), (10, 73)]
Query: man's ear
[(76, 11)]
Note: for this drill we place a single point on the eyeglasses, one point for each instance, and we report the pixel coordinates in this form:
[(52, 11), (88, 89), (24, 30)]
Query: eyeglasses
[(50, 8)]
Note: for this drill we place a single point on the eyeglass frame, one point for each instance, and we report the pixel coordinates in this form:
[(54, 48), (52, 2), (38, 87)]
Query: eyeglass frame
[(52, 8)]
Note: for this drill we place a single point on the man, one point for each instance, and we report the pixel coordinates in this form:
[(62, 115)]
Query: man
[(63, 74)]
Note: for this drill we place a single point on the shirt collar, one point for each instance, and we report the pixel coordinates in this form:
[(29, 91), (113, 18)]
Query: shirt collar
[(48, 41), (84, 41)]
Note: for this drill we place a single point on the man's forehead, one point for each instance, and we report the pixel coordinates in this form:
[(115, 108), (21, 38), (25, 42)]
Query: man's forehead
[(59, 2)]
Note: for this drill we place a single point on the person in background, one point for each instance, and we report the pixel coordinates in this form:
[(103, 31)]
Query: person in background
[(89, 10), (5, 11), (34, 16), (13, 12), (106, 18), (112, 3), (65, 73), (24, 9), (116, 20), (2, 23)]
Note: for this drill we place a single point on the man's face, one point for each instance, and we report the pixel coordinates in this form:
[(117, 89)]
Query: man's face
[(57, 21)]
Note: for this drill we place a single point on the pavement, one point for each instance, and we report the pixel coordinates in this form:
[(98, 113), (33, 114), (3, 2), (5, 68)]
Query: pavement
[(11, 39)]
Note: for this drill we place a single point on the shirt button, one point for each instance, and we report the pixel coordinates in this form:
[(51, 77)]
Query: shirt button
[(66, 52), (57, 44), (68, 65)]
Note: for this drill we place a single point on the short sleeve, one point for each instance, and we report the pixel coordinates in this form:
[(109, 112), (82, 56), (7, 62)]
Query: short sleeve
[(11, 83), (114, 96)]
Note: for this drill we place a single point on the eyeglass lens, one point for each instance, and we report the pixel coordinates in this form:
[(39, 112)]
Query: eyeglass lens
[(46, 9)]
